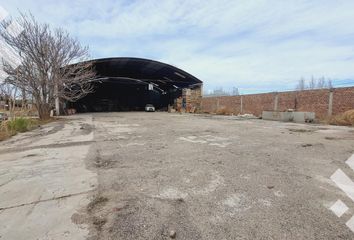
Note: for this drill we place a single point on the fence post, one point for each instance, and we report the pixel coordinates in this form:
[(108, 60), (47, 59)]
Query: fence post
[(241, 105), (330, 103), (276, 102)]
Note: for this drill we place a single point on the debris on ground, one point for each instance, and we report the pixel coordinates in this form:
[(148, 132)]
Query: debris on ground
[(300, 130), (247, 115), (332, 138), (172, 234), (99, 222)]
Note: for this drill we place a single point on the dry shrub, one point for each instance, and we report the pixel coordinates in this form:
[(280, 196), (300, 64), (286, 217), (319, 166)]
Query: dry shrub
[(19, 112), (9, 128), (4, 131), (12, 127), (224, 111), (345, 119)]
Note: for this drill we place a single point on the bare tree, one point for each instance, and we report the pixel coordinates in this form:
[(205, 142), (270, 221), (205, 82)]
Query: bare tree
[(235, 91), (321, 83), (10, 93), (6, 52), (3, 95), (301, 84), (329, 84), (53, 66), (312, 83)]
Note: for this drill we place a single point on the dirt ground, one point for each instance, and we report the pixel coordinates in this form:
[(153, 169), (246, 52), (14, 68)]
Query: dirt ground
[(162, 176)]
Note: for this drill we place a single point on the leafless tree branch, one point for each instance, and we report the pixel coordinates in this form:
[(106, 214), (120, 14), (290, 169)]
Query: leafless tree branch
[(52, 64)]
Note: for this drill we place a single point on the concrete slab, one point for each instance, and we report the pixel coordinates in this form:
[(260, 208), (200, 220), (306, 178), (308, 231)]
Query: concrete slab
[(298, 117), (44, 181), (44, 220)]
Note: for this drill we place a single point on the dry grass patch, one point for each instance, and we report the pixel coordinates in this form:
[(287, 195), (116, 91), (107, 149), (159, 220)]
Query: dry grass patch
[(10, 128), (224, 111), (345, 119)]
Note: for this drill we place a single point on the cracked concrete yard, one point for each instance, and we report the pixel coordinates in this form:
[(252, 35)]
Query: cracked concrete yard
[(142, 175)]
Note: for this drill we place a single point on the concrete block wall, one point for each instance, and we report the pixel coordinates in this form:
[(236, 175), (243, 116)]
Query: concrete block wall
[(324, 102)]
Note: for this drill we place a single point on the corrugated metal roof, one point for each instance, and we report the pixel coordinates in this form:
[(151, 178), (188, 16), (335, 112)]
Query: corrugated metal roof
[(139, 70)]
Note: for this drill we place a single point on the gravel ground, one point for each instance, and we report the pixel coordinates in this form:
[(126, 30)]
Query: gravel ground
[(156, 175), (163, 176)]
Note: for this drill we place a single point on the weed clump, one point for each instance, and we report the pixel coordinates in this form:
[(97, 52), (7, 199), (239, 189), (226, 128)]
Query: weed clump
[(11, 127), (19, 124), (345, 119)]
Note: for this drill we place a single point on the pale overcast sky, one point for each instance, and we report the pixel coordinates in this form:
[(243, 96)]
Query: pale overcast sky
[(257, 46)]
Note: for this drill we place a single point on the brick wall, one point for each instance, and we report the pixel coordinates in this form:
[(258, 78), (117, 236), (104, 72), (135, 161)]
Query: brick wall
[(257, 103), (343, 100), (317, 101)]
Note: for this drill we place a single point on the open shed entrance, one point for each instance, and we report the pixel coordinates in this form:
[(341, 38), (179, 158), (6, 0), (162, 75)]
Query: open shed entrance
[(113, 96), (128, 84)]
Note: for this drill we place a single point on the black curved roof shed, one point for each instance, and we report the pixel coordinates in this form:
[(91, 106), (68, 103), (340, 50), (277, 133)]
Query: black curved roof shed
[(124, 84), (143, 71)]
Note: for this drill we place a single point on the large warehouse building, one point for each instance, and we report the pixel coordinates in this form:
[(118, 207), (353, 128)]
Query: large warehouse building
[(129, 84)]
